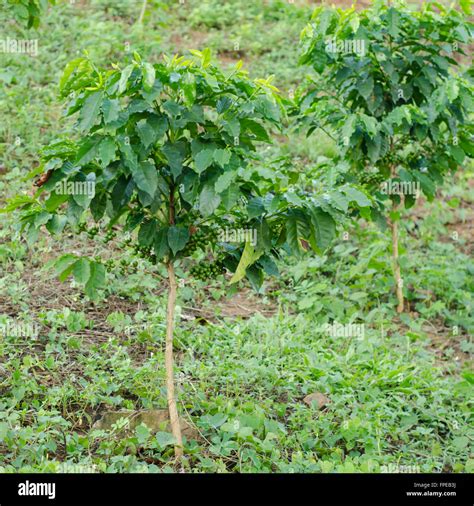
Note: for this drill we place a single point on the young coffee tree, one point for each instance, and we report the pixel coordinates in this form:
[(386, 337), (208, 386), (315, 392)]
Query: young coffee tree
[(169, 150), (390, 91)]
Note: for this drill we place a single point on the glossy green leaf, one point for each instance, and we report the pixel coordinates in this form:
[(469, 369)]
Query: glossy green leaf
[(177, 238)]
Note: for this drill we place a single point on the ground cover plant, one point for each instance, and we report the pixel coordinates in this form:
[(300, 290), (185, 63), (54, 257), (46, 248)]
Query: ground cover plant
[(309, 369)]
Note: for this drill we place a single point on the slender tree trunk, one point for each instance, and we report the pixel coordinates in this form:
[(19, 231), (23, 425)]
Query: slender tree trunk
[(169, 363), (396, 266), (395, 256), (142, 12)]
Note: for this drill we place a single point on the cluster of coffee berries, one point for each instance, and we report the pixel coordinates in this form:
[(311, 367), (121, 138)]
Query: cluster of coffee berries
[(92, 232), (82, 227), (127, 267), (207, 270), (371, 179), (124, 266), (199, 240), (125, 243), (110, 265), (145, 252), (391, 158), (109, 235)]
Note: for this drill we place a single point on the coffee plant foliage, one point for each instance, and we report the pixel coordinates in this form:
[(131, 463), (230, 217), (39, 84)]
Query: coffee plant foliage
[(170, 149), (28, 12), (398, 95)]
